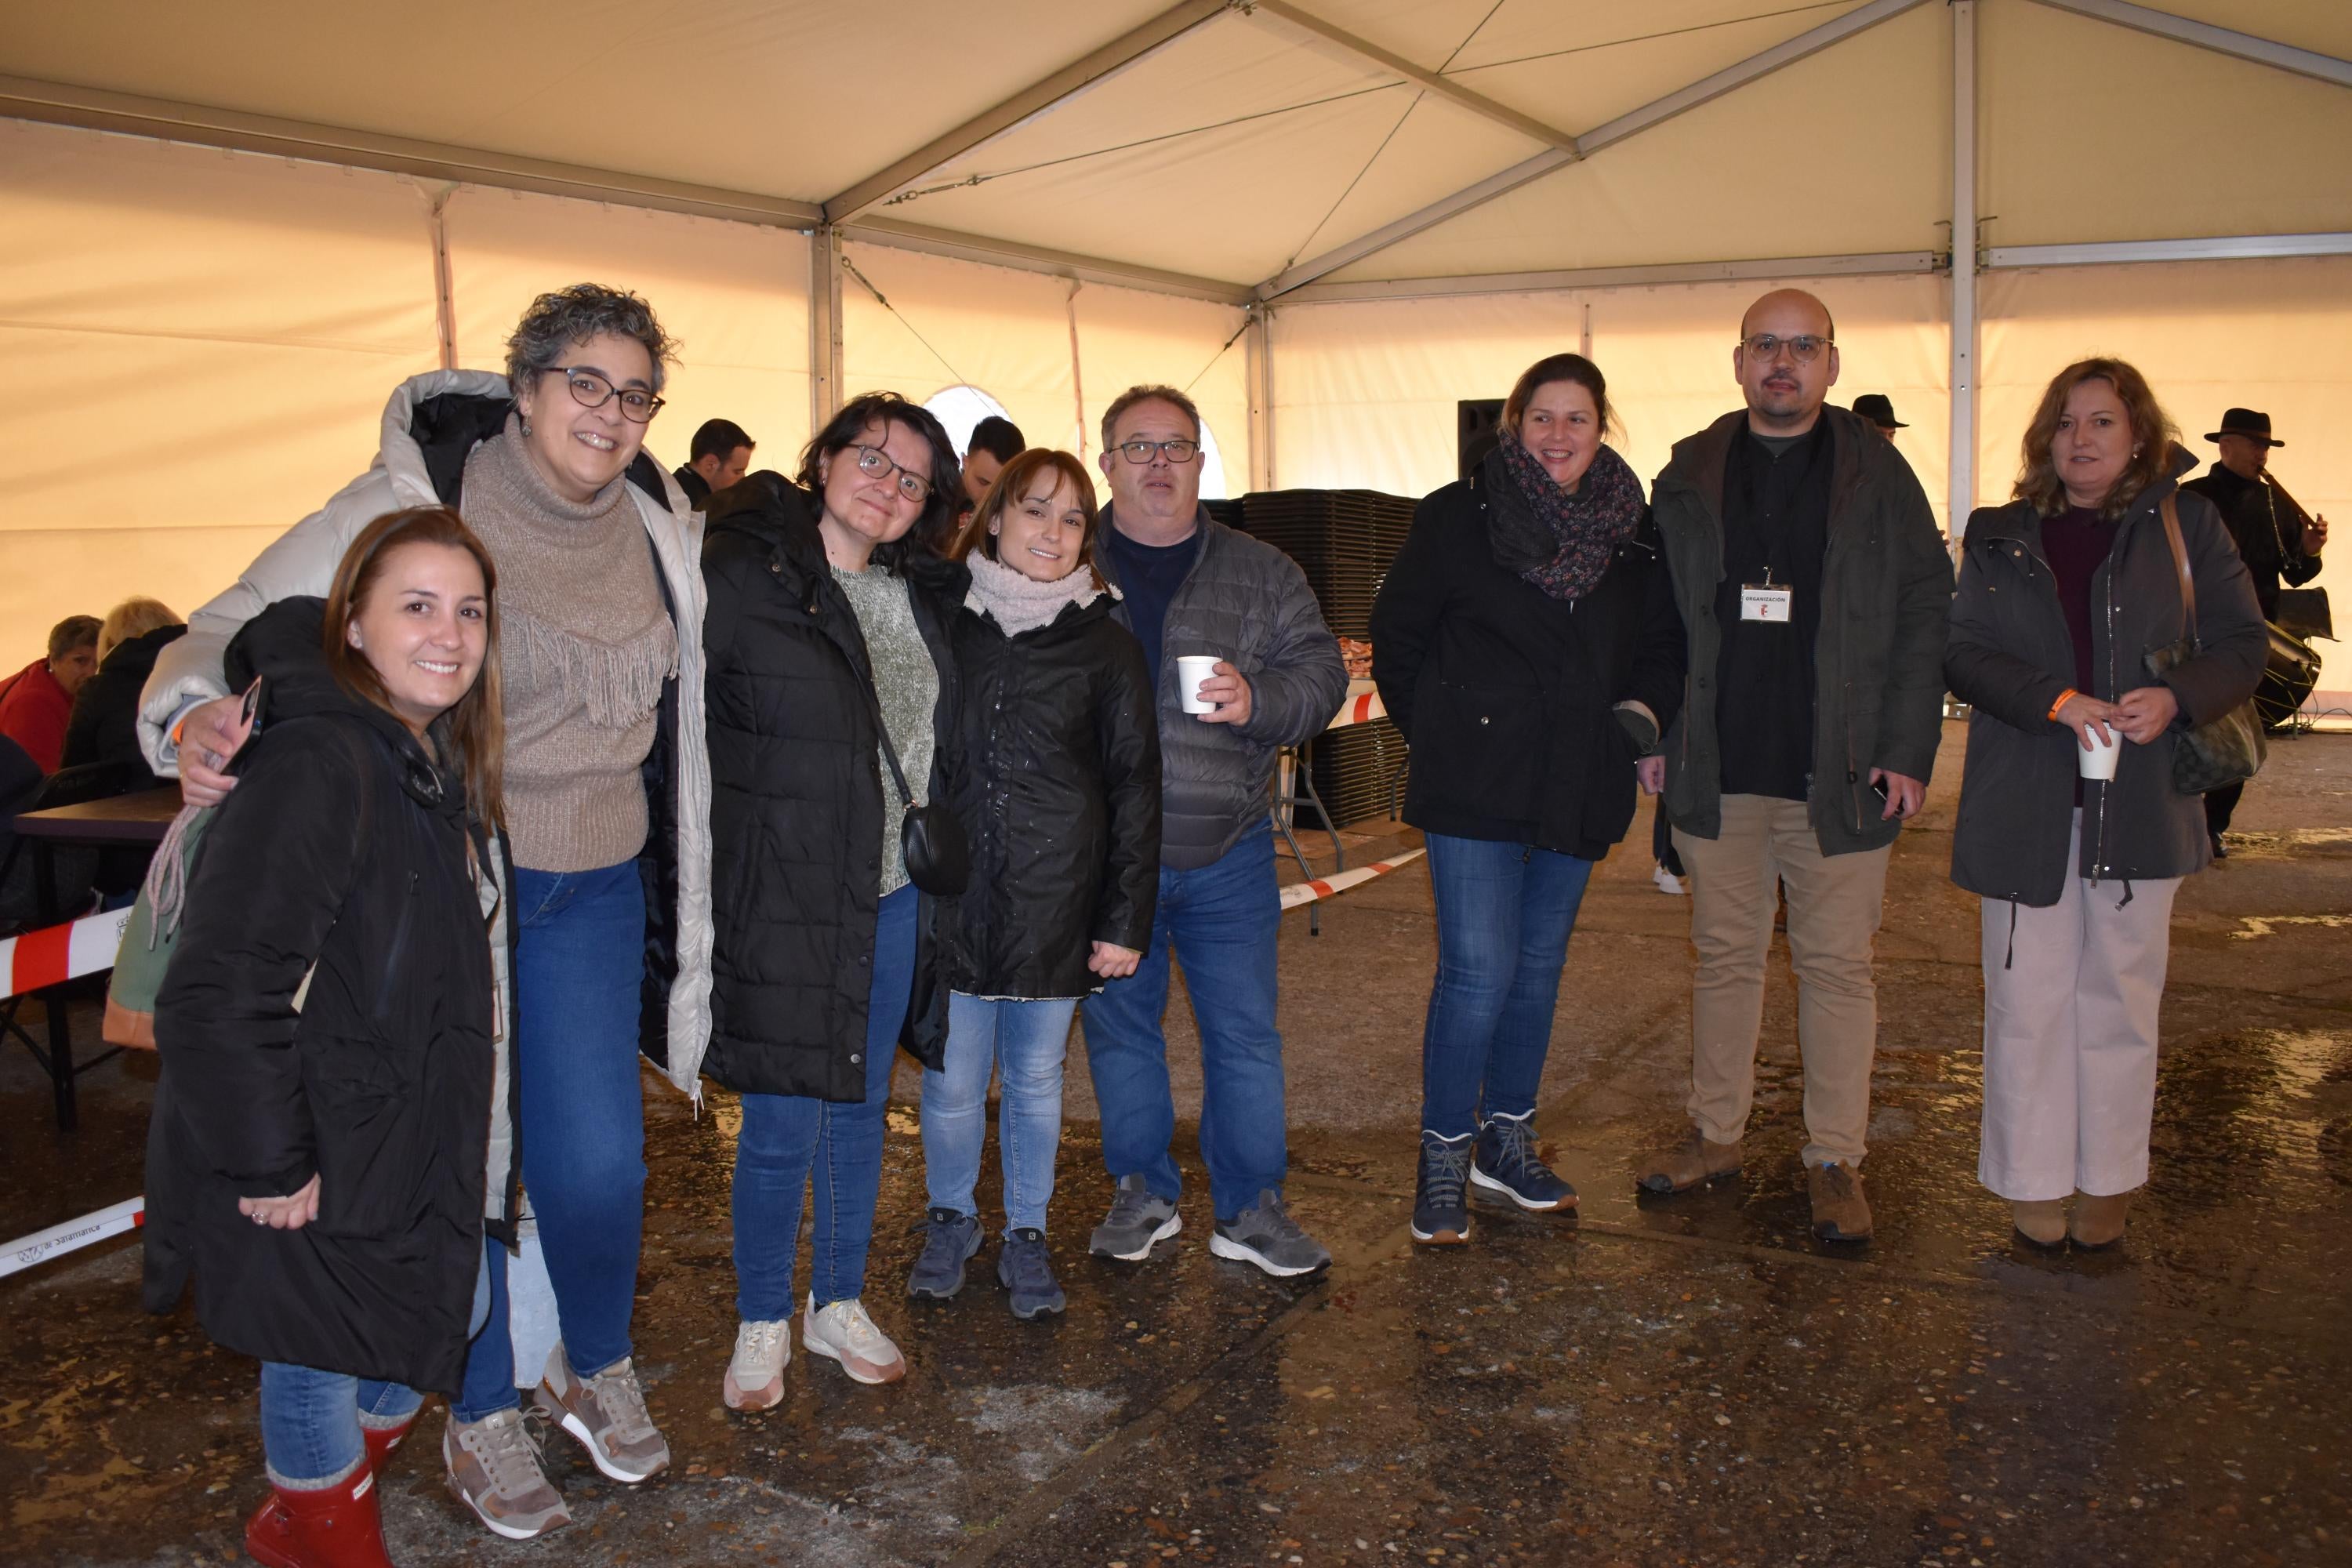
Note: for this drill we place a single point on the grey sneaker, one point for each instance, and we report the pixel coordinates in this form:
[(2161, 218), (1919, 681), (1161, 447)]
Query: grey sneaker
[(1024, 1269), (493, 1467), (1265, 1234), (1138, 1219), (950, 1240), (607, 1413)]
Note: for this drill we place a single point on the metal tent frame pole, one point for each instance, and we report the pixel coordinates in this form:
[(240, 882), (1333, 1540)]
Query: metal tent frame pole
[(1961, 499)]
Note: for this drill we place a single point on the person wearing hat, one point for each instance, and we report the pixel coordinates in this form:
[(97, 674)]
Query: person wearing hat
[(2278, 541), (1877, 411)]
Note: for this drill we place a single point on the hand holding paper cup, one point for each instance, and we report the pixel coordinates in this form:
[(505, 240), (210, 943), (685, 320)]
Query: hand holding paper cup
[(2098, 762), (1190, 670)]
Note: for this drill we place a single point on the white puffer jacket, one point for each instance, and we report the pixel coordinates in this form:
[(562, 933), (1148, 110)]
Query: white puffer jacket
[(303, 560)]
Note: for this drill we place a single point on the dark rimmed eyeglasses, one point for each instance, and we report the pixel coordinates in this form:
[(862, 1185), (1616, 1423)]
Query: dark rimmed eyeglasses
[(1141, 452), (876, 462), (1804, 348), (592, 389)]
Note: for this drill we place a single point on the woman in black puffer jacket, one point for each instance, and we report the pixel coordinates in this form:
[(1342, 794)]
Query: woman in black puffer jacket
[(1060, 791), (829, 611), (331, 1031)]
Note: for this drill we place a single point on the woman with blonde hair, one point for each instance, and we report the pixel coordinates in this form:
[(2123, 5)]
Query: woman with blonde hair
[(104, 727), (2067, 597)]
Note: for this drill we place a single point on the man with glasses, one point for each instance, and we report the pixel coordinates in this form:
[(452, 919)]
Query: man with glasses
[(1814, 589), (1192, 588)]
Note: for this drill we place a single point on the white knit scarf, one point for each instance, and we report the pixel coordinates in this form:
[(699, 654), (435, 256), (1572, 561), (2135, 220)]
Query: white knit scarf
[(1018, 604)]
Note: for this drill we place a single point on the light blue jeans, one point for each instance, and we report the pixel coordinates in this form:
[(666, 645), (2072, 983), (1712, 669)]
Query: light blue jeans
[(1027, 1040), (310, 1420)]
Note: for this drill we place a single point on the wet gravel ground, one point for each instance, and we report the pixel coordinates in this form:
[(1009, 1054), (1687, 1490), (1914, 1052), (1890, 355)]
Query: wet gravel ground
[(1692, 1381)]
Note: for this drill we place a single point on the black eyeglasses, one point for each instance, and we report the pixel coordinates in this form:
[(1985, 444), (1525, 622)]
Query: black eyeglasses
[(1804, 348), (1143, 452), (874, 460), (591, 389)]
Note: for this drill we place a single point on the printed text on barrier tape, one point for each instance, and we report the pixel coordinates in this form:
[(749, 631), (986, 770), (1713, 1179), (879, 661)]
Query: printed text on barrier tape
[(1306, 892), (57, 953), (74, 1234)]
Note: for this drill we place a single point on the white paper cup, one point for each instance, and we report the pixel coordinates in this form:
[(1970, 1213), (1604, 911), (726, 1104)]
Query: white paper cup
[(2099, 761), (1190, 670)]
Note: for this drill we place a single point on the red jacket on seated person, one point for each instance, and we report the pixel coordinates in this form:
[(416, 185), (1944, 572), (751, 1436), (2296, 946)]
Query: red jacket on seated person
[(33, 708)]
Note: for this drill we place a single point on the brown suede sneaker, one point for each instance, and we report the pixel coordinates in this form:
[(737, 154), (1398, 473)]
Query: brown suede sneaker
[(1839, 1211), (1688, 1163), (607, 1413), (2041, 1221), (2099, 1221)]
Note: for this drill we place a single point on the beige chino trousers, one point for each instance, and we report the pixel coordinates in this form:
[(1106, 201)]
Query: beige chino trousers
[(1834, 903)]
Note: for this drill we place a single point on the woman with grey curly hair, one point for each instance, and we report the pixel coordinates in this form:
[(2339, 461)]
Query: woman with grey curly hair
[(607, 913)]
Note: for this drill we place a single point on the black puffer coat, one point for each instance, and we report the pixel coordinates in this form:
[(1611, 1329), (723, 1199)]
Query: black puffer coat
[(342, 844), (2010, 658), (797, 803), (105, 723), (1506, 694), (1060, 794)]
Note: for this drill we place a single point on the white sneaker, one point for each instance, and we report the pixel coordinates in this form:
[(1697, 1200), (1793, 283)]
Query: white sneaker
[(755, 1377), (1667, 882), (844, 1333)]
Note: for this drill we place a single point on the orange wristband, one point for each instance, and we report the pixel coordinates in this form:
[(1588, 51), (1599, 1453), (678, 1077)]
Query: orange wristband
[(2063, 698)]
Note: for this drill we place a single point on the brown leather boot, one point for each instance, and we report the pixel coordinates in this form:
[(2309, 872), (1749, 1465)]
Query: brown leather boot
[(2099, 1221), (2041, 1221), (1839, 1211), (1689, 1164)]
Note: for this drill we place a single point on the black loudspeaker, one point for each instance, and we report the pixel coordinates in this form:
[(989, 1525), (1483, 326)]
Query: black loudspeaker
[(1478, 423)]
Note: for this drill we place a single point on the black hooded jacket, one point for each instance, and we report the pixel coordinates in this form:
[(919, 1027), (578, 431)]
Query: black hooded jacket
[(797, 803), (1060, 795), (329, 1011), (105, 723)]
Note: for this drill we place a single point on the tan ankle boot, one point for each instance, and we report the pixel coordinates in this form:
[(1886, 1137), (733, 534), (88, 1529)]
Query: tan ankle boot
[(2099, 1221), (2041, 1221), (1689, 1163)]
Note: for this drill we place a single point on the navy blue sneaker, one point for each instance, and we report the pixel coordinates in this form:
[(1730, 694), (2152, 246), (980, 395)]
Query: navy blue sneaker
[(1507, 1162), (938, 1270), (1024, 1269), (1441, 1198)]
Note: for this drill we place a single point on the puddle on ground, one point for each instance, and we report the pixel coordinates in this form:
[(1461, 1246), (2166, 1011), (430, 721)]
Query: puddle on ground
[(2263, 845), (2268, 925)]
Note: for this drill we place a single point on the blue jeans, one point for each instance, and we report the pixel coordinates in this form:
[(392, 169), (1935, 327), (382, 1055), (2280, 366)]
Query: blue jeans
[(1219, 921), (1504, 912), (1029, 1039), (789, 1138), (310, 1420), (579, 960)]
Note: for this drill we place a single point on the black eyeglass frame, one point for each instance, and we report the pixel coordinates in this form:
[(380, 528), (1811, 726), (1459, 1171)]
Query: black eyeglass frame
[(1796, 355), (1152, 449), (574, 374), (884, 463)]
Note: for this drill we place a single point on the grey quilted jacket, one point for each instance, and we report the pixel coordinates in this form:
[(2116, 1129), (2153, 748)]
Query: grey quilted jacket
[(1247, 601)]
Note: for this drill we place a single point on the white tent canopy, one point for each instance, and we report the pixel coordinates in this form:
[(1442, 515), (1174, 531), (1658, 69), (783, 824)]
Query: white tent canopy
[(235, 225)]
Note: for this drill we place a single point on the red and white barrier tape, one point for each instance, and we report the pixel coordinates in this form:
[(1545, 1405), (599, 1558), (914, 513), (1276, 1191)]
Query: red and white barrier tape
[(1360, 708), (56, 953), (127, 1214), (1315, 888)]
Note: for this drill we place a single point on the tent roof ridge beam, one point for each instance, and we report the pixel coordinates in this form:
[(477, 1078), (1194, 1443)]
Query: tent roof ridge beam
[(2206, 35), (1477, 103), (1657, 113), (989, 252), (1036, 98), (1883, 263), (91, 108)]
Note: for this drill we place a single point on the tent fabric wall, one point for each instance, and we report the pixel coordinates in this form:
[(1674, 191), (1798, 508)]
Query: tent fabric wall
[(734, 295), (1365, 392), (200, 345)]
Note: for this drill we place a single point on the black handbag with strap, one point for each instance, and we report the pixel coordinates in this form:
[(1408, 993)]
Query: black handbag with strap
[(2230, 749), (939, 855)]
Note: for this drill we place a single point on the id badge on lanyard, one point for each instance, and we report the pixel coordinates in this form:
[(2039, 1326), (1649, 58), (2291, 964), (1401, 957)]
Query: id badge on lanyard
[(1766, 601)]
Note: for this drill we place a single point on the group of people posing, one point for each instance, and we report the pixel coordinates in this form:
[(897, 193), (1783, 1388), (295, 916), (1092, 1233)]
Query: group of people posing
[(517, 764)]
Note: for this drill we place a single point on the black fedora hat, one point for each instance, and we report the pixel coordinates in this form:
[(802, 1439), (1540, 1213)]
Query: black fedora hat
[(1879, 409), (2254, 425)]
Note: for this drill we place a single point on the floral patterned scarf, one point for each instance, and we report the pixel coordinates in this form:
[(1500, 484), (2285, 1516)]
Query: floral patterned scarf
[(1561, 540)]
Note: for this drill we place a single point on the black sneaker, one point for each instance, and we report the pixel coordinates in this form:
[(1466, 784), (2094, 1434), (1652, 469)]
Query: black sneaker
[(1265, 1234), (938, 1270), (1024, 1268), (1441, 1199), (1139, 1218), (1507, 1162)]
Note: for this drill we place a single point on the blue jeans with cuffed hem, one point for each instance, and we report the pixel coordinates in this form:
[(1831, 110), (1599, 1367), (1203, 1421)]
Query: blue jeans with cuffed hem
[(1027, 1040), (1504, 914), (789, 1139), (1219, 921), (310, 1421), (579, 963)]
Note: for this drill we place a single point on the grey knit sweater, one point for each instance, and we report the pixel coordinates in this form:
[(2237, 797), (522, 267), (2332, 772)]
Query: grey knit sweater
[(909, 685)]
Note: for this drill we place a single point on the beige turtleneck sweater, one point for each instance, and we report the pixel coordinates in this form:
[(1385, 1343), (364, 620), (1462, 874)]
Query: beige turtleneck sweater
[(584, 646)]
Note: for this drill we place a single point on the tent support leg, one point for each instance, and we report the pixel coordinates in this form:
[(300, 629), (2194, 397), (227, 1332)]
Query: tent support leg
[(824, 325), (1259, 372), (1961, 498)]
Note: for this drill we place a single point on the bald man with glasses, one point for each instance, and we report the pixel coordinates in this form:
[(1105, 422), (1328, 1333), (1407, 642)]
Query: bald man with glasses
[(1814, 589)]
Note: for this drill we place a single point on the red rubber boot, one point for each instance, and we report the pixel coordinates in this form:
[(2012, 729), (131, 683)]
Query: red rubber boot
[(383, 1440), (332, 1527)]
